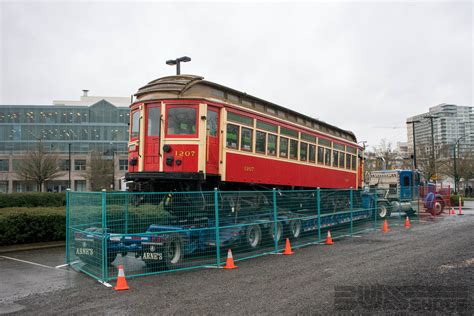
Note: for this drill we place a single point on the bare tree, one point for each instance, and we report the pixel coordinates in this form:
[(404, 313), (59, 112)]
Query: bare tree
[(99, 172), (385, 153), (39, 166)]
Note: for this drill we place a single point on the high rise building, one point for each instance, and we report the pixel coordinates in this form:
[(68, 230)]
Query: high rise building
[(76, 128), (450, 124)]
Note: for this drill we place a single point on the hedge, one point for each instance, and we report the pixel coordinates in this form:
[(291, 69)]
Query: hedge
[(32, 199), (29, 227), (455, 200)]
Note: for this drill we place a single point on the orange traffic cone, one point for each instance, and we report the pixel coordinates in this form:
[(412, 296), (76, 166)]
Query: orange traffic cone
[(288, 250), (229, 264), (453, 212), (385, 226), (329, 239), (121, 281), (407, 223)]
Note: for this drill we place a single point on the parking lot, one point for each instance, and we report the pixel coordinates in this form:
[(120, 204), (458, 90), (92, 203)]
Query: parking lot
[(435, 253)]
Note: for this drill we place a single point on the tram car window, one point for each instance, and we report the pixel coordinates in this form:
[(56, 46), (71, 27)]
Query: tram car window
[(320, 155), (312, 153), (135, 124), (293, 149), (303, 151), (335, 158), (246, 139), (283, 147), (260, 139), (327, 156), (271, 146), (232, 136), (181, 121), (212, 123)]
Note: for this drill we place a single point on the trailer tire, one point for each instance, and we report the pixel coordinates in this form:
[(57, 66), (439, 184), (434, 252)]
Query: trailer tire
[(295, 228), (438, 206), (253, 236), (279, 233), (173, 252)]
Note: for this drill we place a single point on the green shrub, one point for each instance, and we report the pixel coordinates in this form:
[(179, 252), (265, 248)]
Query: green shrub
[(29, 227), (32, 199), (455, 200)]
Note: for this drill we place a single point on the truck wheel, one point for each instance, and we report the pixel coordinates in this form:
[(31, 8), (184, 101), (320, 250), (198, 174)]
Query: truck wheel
[(295, 228), (174, 252), (253, 236), (383, 211), (279, 231)]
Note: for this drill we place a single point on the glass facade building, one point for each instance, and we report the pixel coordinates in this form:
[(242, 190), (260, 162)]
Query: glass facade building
[(100, 127)]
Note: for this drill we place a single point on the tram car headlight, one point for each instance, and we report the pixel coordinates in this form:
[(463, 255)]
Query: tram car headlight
[(166, 148)]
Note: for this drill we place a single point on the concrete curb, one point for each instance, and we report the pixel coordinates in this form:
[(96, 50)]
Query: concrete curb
[(33, 246)]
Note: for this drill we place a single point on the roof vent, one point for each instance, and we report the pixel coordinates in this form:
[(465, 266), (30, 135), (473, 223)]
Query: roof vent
[(85, 93)]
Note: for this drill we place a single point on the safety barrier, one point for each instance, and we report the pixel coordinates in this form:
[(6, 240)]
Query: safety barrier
[(149, 233)]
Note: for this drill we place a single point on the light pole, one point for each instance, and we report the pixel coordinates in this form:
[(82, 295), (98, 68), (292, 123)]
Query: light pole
[(177, 62), (433, 155), (456, 144), (414, 142)]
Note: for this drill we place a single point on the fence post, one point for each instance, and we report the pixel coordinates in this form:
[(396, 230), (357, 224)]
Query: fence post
[(400, 209), (275, 221), (418, 202), (318, 206), (127, 195), (68, 259), (104, 236), (216, 225), (351, 209), (375, 209)]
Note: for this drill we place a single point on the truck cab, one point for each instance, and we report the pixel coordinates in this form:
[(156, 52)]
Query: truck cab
[(397, 187)]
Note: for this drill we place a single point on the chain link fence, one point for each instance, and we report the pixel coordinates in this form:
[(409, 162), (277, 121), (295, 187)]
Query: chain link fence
[(151, 233)]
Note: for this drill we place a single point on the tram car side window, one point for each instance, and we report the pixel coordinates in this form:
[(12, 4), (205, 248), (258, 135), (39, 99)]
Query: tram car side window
[(232, 136), (271, 145)]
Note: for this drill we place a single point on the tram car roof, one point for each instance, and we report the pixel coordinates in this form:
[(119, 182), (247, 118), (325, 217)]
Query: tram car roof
[(191, 86)]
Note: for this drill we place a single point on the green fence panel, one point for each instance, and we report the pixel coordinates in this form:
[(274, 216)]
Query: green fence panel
[(157, 232)]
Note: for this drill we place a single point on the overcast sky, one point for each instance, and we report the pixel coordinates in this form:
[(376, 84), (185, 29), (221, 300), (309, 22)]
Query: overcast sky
[(363, 66)]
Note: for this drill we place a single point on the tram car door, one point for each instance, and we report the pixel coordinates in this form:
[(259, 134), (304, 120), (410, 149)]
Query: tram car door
[(152, 137), (212, 140)]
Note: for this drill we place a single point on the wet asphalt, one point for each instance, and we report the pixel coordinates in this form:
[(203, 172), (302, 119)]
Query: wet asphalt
[(436, 255)]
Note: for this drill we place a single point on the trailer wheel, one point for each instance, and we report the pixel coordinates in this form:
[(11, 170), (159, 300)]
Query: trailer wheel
[(295, 228), (253, 236), (279, 231), (174, 252), (438, 206)]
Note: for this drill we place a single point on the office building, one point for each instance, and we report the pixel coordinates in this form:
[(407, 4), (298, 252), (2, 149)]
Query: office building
[(75, 128)]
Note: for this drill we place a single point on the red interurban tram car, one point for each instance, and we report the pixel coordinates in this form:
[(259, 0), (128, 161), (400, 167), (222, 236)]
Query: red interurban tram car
[(187, 133)]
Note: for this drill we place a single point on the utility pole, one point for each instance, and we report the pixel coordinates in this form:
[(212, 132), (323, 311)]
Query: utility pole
[(433, 155), (414, 141), (456, 144)]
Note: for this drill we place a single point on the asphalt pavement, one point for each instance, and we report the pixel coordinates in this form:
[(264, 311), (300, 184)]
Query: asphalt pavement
[(425, 269)]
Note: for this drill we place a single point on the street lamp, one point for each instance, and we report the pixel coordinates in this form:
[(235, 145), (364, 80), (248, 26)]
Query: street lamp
[(433, 157), (456, 144), (414, 143), (177, 62)]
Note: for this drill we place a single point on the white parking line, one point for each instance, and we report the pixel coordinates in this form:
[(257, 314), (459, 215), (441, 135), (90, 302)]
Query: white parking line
[(33, 263)]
